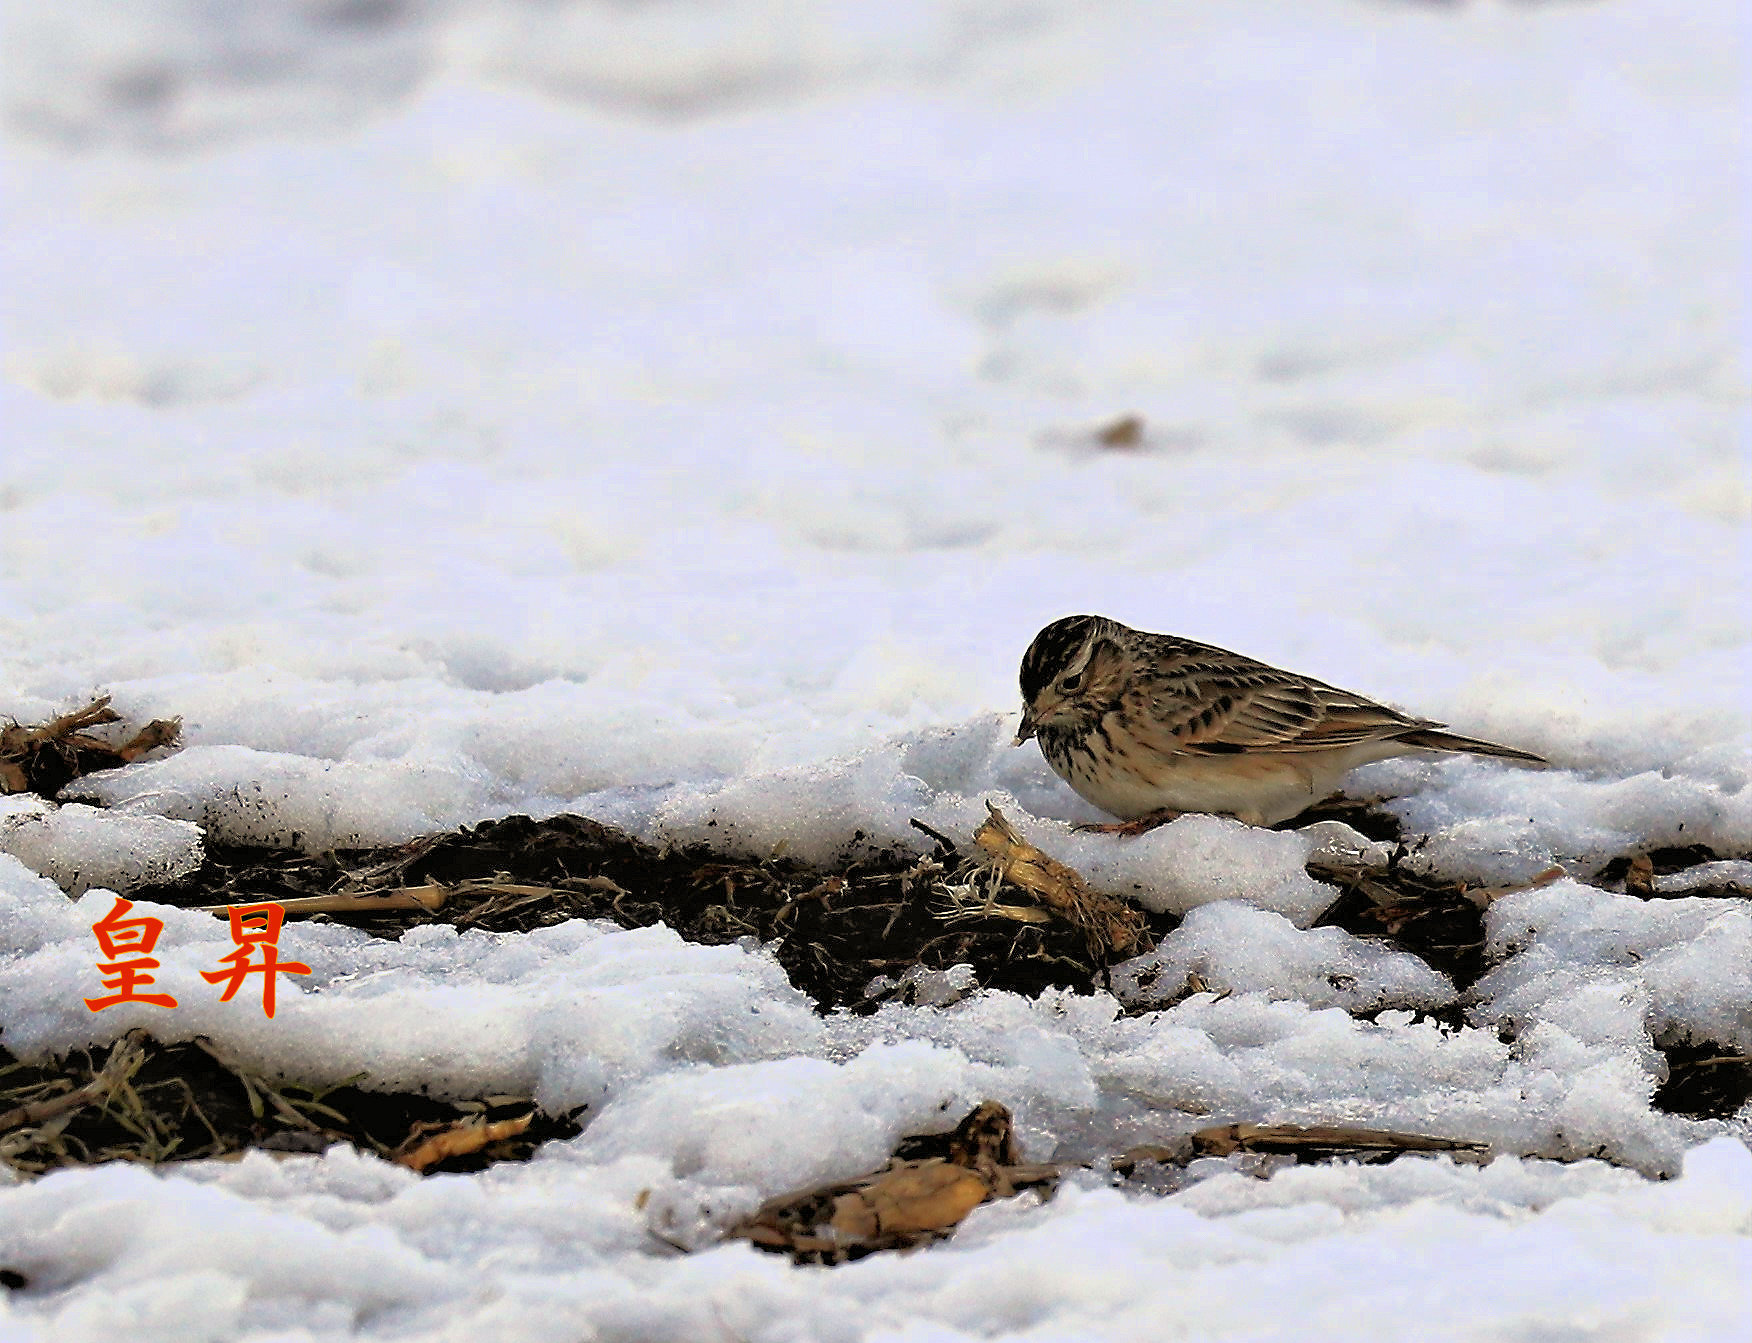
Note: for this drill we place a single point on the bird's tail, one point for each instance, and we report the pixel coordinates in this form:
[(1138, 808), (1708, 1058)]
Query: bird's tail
[(1432, 740)]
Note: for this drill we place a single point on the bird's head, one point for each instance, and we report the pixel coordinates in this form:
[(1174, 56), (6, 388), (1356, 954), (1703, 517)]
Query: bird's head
[(1071, 674)]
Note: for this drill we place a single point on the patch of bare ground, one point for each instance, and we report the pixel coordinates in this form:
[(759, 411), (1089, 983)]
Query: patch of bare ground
[(1705, 1082), (852, 937), (835, 932), (868, 930)]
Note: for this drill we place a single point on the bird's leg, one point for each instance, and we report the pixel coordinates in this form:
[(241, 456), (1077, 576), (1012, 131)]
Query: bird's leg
[(1140, 826)]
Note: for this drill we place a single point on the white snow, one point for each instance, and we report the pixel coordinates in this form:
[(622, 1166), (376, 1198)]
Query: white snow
[(313, 1247), (1733, 876), (80, 847), (1668, 971), (1235, 947), (685, 414)]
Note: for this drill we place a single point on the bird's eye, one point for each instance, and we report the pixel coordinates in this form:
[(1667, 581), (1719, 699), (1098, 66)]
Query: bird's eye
[(1072, 681)]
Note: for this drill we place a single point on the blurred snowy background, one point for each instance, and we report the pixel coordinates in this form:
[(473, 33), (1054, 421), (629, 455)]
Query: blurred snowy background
[(686, 412)]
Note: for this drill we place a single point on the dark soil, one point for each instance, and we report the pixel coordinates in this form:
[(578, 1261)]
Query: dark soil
[(1704, 1082), (1366, 818), (833, 931), (1433, 922)]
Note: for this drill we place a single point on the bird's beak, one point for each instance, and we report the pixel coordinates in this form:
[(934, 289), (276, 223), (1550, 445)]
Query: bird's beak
[(1025, 730)]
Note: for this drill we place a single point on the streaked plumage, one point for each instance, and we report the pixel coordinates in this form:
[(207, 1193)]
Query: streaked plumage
[(1146, 726)]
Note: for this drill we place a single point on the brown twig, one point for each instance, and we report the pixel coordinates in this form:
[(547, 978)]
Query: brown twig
[(1222, 1139), (429, 897), (948, 845)]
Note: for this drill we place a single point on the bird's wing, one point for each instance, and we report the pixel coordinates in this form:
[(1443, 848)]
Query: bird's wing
[(1209, 701)]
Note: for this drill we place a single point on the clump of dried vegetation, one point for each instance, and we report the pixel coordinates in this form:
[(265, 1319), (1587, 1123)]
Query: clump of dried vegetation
[(45, 757), (141, 1100)]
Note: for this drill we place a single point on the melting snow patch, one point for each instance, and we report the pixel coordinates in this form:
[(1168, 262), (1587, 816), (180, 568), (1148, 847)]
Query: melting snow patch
[(246, 797), (1200, 859), (1233, 947), (79, 847), (1495, 826), (1621, 972), (721, 505)]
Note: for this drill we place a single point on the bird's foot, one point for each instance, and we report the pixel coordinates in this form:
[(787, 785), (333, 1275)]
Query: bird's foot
[(1142, 825)]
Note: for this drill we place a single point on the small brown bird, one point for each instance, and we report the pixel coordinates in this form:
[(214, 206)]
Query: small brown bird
[(1149, 727)]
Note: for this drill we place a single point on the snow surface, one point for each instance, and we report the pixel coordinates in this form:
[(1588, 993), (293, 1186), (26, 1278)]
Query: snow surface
[(1237, 947), (82, 847), (685, 414)]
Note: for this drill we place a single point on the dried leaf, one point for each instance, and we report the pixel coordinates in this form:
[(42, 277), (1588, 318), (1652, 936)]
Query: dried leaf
[(461, 1139), (1486, 896), (159, 732), (1639, 880), (910, 1202), (1125, 432), (607, 885), (926, 1196)]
